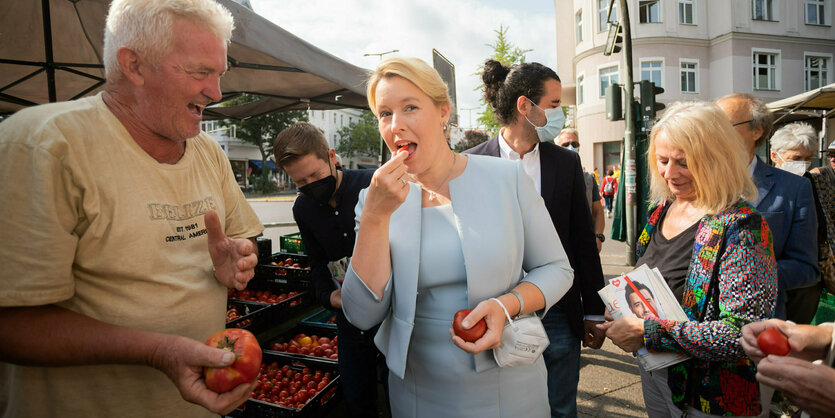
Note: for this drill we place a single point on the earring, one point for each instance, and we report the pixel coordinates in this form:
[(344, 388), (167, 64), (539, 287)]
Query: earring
[(445, 125)]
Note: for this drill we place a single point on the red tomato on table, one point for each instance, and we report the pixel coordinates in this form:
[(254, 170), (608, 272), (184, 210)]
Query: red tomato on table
[(772, 341), (246, 365)]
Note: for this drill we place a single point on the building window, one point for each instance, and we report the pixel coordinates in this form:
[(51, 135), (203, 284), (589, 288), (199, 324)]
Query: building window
[(817, 70), (581, 93), (578, 25), (762, 10), (689, 76), (815, 12), (650, 11), (685, 12), (603, 13), (765, 70), (608, 76), (651, 71)]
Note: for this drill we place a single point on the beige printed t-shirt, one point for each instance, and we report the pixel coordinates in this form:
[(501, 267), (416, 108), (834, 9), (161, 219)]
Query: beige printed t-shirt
[(92, 223)]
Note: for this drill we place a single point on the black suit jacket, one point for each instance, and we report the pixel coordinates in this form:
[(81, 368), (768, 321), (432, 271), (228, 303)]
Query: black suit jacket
[(564, 193)]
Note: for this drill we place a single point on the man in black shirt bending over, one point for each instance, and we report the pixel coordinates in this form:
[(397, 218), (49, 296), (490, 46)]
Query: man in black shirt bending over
[(324, 212)]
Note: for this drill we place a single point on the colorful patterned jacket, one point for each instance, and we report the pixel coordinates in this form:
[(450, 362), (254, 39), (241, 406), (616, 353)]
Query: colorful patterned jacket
[(719, 379)]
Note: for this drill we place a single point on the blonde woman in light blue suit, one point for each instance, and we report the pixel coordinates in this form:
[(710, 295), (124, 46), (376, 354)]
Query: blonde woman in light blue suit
[(438, 232)]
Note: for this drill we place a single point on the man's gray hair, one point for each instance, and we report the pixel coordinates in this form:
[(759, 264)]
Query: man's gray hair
[(571, 131), (760, 115), (793, 136), (146, 27)]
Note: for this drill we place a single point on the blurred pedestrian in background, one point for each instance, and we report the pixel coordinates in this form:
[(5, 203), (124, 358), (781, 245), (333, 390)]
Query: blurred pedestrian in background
[(569, 138)]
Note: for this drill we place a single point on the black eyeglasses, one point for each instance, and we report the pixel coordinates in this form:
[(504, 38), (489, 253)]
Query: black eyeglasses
[(831, 155), (574, 144), (744, 122)]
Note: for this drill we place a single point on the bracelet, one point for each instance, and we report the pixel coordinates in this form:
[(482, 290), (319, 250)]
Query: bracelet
[(521, 301)]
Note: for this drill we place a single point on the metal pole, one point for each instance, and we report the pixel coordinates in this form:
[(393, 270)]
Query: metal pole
[(629, 172), (47, 43)]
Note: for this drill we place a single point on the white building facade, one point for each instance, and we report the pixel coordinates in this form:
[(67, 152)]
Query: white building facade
[(330, 122), (695, 50)]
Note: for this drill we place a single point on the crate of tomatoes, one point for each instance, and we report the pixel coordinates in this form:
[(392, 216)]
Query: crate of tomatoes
[(325, 318), (318, 345), (292, 388), (261, 304), (287, 269)]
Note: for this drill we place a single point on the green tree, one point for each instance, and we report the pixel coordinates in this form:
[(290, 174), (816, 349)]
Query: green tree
[(508, 54), (261, 131), (360, 137)]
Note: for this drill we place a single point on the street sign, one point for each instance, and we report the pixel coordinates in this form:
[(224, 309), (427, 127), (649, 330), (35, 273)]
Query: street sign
[(446, 69)]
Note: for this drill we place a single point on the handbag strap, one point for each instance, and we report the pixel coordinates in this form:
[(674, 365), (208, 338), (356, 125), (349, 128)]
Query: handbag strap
[(506, 313)]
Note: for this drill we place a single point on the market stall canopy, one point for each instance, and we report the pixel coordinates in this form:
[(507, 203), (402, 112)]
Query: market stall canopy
[(56, 56), (812, 104)]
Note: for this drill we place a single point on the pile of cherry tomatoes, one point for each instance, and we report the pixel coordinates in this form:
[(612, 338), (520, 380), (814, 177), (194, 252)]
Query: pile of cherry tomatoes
[(310, 345), (285, 386)]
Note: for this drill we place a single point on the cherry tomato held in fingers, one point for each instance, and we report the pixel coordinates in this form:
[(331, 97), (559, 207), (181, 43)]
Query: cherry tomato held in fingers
[(247, 362), (772, 341), (469, 335)]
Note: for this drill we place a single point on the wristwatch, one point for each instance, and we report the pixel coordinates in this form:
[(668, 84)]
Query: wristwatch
[(601, 237)]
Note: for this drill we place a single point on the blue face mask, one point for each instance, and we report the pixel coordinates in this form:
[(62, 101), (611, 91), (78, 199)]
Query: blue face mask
[(573, 148), (554, 121)]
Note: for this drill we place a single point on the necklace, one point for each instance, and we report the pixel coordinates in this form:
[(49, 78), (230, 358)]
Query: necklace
[(431, 193)]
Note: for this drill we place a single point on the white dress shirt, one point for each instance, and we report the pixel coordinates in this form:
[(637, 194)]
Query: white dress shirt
[(530, 161)]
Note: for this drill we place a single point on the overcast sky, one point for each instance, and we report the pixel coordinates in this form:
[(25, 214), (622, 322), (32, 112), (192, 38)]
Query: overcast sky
[(458, 29)]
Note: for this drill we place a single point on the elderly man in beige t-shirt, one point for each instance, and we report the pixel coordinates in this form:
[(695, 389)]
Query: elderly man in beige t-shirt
[(122, 228)]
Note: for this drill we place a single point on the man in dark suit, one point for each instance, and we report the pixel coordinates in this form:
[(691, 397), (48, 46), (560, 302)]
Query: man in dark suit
[(786, 202), (526, 99)]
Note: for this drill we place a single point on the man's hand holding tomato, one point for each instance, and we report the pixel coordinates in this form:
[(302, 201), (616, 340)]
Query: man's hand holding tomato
[(183, 359), (807, 384), (807, 342), (234, 259)]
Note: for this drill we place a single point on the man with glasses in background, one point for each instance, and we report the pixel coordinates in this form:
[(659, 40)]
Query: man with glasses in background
[(569, 138), (785, 201)]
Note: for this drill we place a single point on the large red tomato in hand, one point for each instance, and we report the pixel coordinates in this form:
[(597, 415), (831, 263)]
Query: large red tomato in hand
[(247, 362), (470, 335), (772, 341)]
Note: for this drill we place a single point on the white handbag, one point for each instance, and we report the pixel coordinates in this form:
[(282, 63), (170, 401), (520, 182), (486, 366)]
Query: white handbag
[(523, 340)]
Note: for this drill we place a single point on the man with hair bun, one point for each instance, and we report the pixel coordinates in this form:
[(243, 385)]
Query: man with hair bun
[(526, 100), (123, 227)]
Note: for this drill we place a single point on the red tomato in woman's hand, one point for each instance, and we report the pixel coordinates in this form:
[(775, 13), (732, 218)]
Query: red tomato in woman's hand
[(469, 335), (246, 365), (772, 341)]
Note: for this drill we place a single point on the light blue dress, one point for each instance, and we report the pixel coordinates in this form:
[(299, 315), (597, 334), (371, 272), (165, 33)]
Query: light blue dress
[(440, 379)]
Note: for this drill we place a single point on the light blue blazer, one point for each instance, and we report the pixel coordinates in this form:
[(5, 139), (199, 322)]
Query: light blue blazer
[(505, 230), (786, 202)]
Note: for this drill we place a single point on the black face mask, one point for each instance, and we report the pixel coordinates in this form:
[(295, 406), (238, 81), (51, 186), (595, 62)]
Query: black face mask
[(320, 190)]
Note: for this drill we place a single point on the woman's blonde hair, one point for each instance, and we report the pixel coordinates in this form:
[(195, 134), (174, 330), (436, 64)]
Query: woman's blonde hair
[(716, 157), (414, 70)]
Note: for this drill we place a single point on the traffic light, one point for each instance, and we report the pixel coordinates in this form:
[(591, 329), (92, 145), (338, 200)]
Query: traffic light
[(648, 104), (614, 39), (614, 110)]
